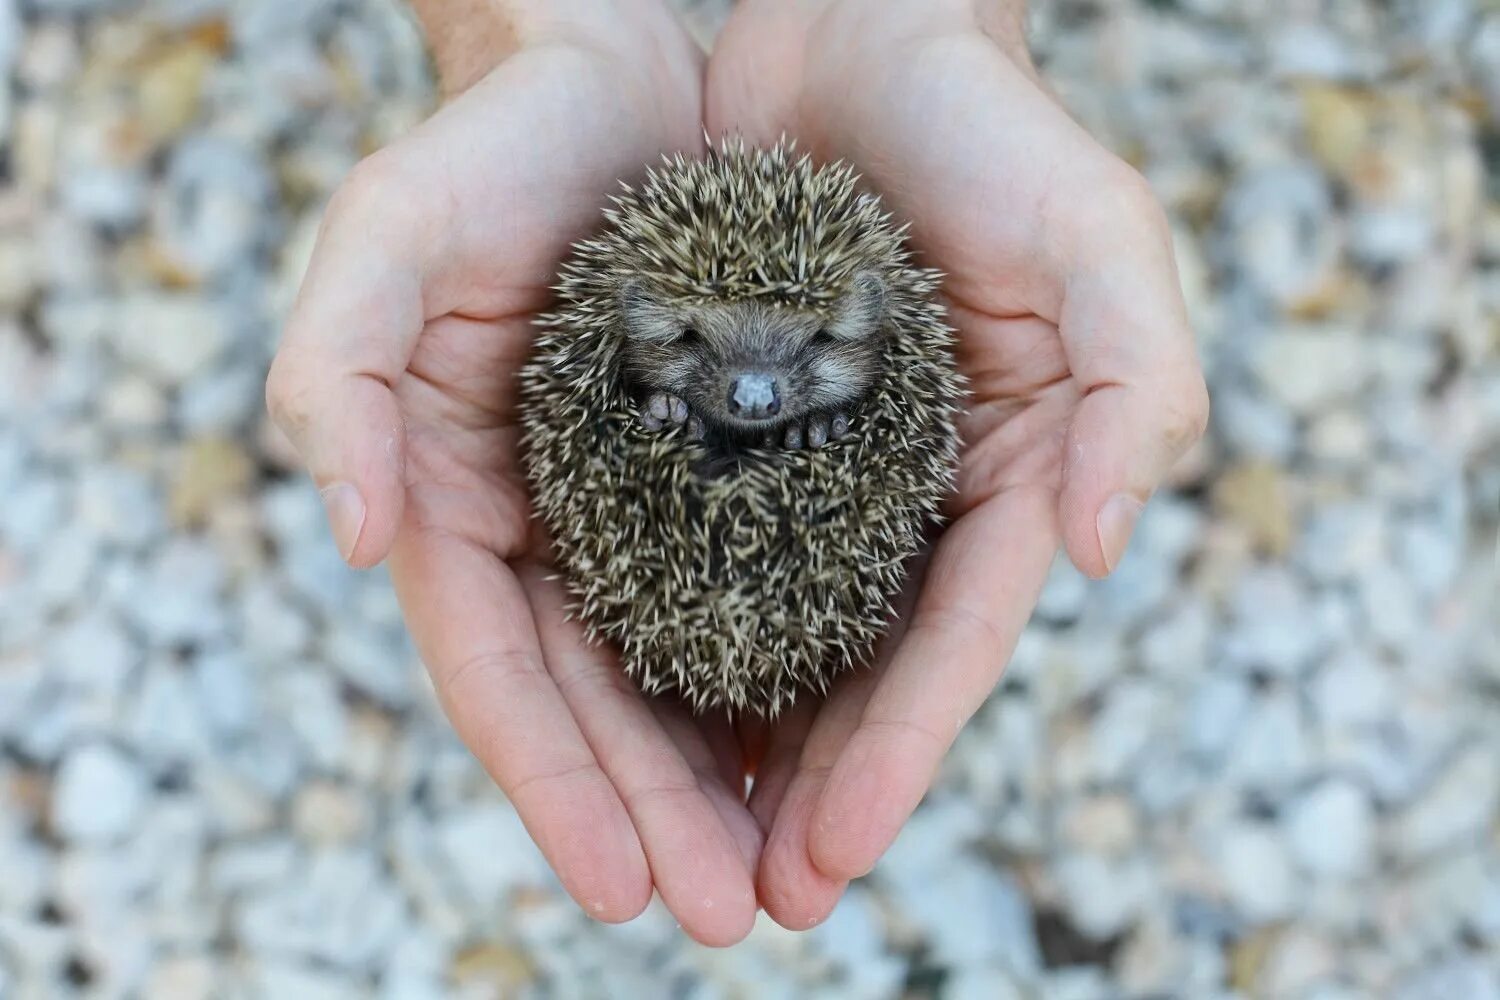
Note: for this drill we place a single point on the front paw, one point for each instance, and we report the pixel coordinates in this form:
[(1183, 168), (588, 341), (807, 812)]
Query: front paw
[(663, 409), (814, 432)]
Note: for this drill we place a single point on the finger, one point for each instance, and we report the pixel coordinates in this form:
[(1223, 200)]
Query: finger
[(792, 890), (1125, 330), (694, 859), (348, 339), (717, 731), (981, 586), (802, 753), (810, 736), (705, 745), (751, 90), (778, 761), (474, 629)]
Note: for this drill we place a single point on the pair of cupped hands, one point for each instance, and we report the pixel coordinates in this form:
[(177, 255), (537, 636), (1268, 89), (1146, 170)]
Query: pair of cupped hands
[(396, 381)]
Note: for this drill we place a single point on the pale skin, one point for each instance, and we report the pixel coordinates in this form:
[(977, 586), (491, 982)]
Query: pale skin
[(395, 381)]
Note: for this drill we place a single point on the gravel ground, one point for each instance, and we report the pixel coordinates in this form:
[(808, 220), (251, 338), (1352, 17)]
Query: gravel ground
[(1262, 761)]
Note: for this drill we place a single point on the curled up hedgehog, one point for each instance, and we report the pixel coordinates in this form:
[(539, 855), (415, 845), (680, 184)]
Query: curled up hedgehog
[(739, 425)]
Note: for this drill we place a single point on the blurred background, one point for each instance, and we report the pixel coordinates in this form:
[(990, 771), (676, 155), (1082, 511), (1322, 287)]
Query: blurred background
[(1261, 761)]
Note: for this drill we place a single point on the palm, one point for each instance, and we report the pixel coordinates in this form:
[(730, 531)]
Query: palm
[(999, 186), (422, 293)]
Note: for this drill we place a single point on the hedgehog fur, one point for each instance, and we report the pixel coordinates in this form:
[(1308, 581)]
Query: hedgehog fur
[(738, 584)]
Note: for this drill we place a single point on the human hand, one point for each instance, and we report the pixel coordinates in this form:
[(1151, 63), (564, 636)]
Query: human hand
[(1085, 386), (396, 382)]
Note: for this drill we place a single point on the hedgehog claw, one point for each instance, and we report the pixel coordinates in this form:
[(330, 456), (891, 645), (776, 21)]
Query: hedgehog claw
[(814, 433), (662, 409), (695, 429)]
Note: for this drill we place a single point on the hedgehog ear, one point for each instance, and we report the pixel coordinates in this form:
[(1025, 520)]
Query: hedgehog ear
[(646, 318), (860, 311)]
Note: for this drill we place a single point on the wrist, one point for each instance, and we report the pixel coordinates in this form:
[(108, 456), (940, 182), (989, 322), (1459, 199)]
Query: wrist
[(468, 38), (1004, 21)]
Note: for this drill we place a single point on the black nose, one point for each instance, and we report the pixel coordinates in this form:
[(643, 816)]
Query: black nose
[(754, 396)]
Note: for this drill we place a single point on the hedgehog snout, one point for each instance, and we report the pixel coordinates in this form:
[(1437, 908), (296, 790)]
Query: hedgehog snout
[(754, 396)]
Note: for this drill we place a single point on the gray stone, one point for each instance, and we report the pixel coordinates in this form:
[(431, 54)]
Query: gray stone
[(1254, 425), (226, 695), (93, 654), (1103, 897), (110, 197), (983, 984), (1458, 806), (170, 338), (1274, 628), (854, 939), (119, 505), (1065, 594), (339, 909), (1218, 710), (222, 402), (973, 916), (1123, 728), (100, 794), (1280, 223), (1331, 830), (1308, 369), (1352, 690), (1257, 872), (1274, 746), (163, 719), (1177, 645), (489, 854), (212, 210), (1457, 977), (178, 602)]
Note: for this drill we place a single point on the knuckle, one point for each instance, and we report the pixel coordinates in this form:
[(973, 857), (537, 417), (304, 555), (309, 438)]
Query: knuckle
[(394, 200), (375, 188), (1135, 200), (494, 669), (1105, 198), (1185, 418), (287, 398), (897, 731)]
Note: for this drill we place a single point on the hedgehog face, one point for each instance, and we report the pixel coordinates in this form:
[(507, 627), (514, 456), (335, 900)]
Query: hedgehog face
[(749, 367)]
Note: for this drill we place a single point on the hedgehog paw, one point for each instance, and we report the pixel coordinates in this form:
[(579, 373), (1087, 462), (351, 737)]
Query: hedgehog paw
[(816, 432), (663, 409)]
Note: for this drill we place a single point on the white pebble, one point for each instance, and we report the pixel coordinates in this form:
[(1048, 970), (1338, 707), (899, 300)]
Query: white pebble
[(1331, 829), (1257, 872), (99, 795)]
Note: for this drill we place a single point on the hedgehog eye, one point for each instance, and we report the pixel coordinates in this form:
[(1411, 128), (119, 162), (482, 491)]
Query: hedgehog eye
[(690, 335)]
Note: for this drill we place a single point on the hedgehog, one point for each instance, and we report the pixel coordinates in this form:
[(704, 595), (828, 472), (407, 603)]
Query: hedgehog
[(738, 425)]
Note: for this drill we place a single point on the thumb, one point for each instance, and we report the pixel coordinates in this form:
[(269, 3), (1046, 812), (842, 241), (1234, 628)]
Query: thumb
[(350, 434), (1125, 330), (348, 339), (1123, 441)]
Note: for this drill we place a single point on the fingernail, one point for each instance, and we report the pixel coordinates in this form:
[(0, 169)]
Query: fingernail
[(346, 515), (1115, 523)]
